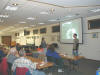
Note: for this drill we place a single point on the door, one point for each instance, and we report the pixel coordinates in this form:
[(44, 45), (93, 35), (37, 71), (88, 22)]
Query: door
[(6, 40)]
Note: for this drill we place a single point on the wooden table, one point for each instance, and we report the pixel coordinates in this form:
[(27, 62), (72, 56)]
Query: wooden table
[(71, 57), (73, 60), (40, 64)]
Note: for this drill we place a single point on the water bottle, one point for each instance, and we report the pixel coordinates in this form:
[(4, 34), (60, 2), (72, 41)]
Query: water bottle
[(45, 59)]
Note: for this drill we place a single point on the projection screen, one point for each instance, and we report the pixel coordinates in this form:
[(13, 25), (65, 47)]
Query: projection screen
[(68, 28)]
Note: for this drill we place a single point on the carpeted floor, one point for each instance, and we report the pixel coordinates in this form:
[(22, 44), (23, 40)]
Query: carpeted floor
[(86, 67)]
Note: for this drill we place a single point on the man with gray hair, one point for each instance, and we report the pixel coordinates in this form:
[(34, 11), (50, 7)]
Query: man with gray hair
[(11, 57), (23, 62)]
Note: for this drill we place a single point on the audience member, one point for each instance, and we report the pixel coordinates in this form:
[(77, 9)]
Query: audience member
[(40, 49), (12, 55), (53, 56), (23, 62), (18, 47)]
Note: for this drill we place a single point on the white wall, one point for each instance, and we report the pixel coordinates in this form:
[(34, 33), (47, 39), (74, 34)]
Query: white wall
[(89, 49), (91, 46), (0, 40)]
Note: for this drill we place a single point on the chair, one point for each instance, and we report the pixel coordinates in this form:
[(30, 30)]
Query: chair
[(35, 55), (42, 57), (22, 71), (4, 66), (58, 64)]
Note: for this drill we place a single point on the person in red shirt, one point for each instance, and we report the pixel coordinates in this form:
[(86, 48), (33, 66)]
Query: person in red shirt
[(40, 49)]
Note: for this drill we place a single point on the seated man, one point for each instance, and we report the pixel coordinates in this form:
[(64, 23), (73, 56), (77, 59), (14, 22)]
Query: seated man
[(23, 62), (12, 55)]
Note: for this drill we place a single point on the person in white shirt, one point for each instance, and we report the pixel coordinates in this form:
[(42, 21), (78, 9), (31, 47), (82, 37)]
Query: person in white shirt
[(23, 62)]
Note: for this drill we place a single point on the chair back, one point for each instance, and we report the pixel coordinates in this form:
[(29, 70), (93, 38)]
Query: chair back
[(22, 71), (4, 66), (35, 55)]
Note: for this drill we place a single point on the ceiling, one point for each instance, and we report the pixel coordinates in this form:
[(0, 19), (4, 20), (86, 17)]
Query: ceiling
[(32, 13)]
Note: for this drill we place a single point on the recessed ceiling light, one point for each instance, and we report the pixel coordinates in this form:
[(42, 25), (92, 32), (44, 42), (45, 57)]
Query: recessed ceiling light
[(14, 8), (41, 23), (22, 22), (31, 18), (4, 16), (45, 13), (52, 20), (95, 10)]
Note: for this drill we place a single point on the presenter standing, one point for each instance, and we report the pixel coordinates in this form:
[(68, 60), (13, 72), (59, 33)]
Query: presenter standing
[(75, 45), (44, 45)]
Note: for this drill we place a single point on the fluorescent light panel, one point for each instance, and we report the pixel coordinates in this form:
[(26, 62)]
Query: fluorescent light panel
[(95, 10), (22, 22), (32, 25), (53, 20), (70, 16), (45, 13), (41, 23), (31, 18), (4, 16), (14, 8)]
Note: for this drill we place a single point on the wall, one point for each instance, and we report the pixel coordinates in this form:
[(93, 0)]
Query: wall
[(91, 46), (29, 39), (0, 40), (89, 49)]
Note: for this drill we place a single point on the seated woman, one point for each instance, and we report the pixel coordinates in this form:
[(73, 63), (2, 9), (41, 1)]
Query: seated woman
[(53, 56)]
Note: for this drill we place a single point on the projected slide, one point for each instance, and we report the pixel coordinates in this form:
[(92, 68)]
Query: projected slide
[(68, 28)]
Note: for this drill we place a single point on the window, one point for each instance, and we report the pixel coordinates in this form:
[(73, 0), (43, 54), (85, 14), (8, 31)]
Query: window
[(43, 30), (16, 34), (94, 24), (35, 31), (26, 32), (56, 29)]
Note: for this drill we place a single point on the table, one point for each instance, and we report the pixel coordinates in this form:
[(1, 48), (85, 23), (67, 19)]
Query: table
[(71, 57), (73, 60), (40, 64)]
